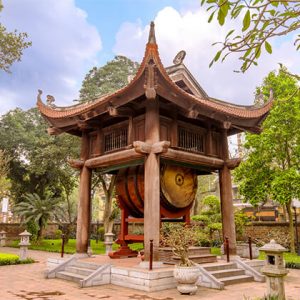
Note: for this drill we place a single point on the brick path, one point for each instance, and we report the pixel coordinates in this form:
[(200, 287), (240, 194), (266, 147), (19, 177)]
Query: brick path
[(27, 282)]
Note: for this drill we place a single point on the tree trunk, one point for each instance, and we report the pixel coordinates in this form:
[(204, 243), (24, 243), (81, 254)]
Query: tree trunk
[(107, 221), (40, 231), (291, 227)]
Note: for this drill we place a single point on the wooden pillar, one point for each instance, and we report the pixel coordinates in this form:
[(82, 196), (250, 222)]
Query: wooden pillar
[(227, 209), (99, 142), (152, 181), (208, 143), (84, 209)]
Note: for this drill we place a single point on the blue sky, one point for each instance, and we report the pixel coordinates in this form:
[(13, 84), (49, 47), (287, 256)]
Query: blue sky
[(69, 37)]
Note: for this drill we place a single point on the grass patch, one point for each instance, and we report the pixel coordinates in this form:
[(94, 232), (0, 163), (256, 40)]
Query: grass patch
[(215, 251), (12, 259), (70, 248), (288, 257)]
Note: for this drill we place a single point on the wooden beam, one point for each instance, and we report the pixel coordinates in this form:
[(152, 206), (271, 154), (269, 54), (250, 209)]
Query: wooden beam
[(233, 163), (115, 158), (76, 163), (193, 158)]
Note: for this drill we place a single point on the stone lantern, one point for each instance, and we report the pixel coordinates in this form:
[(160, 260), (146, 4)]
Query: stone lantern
[(2, 238), (24, 243), (274, 269), (108, 242)]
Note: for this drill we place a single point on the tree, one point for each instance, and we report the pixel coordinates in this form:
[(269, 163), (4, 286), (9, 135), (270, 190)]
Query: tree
[(272, 165), (109, 78), (99, 81), (12, 45), (39, 161), (4, 168), (34, 208), (262, 21)]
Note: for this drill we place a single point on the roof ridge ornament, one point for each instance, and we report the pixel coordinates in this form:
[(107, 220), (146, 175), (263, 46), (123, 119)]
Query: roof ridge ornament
[(178, 59), (50, 99), (152, 39)]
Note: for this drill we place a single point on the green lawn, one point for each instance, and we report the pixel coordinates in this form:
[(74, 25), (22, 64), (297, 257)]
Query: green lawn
[(70, 248), (289, 257)]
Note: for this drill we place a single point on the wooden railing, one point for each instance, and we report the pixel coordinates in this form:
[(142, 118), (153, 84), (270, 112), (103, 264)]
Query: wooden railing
[(190, 139), (115, 139)]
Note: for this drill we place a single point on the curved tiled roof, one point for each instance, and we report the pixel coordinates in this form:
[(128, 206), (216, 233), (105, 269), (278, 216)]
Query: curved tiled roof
[(151, 52)]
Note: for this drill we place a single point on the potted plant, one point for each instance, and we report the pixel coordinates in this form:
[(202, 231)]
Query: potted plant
[(180, 238)]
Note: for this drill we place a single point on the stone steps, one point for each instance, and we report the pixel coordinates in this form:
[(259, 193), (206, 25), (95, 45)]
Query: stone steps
[(86, 265), (218, 266), (199, 259), (228, 273), (236, 279), (79, 270), (70, 276)]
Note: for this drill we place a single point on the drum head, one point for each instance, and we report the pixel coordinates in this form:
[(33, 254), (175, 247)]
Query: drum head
[(178, 185)]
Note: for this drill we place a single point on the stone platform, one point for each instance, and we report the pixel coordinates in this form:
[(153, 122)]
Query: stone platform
[(131, 273)]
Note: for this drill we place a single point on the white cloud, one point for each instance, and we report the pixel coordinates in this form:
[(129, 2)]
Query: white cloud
[(64, 47), (190, 31)]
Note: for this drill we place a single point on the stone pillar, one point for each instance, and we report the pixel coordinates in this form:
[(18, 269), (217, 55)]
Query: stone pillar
[(2, 238), (108, 242), (274, 270), (227, 209), (24, 243), (152, 182), (84, 208)]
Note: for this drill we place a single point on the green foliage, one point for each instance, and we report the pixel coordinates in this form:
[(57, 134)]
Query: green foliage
[(12, 45), (272, 164), (11, 259), (292, 265), (58, 234), (261, 21), (210, 217), (100, 233), (4, 169), (33, 228), (240, 220), (107, 79), (39, 210), (38, 161)]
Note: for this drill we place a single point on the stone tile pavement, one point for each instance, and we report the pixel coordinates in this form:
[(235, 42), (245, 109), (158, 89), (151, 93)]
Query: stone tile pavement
[(28, 282)]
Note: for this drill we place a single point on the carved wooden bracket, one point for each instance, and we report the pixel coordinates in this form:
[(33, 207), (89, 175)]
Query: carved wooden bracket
[(145, 148), (82, 125), (192, 113), (75, 163), (233, 163), (226, 124), (119, 112), (150, 85), (53, 131)]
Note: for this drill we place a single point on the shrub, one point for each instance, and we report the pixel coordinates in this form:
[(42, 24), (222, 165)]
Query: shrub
[(180, 238), (101, 233), (11, 259), (292, 265), (33, 228), (57, 234), (202, 239)]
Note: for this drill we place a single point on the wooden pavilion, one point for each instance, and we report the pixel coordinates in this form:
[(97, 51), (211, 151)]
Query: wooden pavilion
[(161, 127)]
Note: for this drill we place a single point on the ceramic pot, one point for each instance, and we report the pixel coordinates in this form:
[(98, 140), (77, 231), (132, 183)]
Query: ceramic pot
[(186, 278)]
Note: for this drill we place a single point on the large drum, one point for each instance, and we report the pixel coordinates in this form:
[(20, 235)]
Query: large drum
[(178, 186)]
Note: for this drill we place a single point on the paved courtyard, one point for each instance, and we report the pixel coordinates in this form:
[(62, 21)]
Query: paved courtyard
[(28, 282)]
